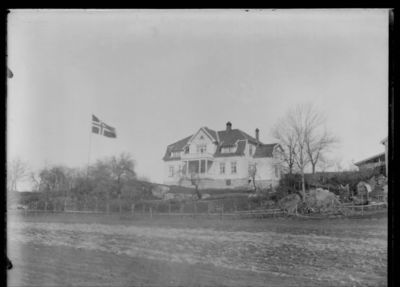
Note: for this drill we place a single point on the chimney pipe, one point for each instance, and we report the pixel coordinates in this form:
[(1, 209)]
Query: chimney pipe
[(258, 136), (228, 126)]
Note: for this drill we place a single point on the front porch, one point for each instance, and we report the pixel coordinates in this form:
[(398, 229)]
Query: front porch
[(199, 167)]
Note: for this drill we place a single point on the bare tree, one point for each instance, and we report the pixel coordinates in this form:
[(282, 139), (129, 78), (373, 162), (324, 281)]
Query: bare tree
[(122, 168), (304, 138), (35, 180), (287, 138), (324, 163), (298, 120), (190, 174), (318, 140), (110, 175), (253, 174), (195, 180), (17, 170)]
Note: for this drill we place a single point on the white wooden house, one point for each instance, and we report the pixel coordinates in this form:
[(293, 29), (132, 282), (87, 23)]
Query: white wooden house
[(222, 159)]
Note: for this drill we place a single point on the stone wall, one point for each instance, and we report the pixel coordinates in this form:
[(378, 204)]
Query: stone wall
[(234, 183)]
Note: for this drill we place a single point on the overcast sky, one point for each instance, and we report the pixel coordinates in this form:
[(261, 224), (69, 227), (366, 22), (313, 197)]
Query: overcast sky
[(158, 76)]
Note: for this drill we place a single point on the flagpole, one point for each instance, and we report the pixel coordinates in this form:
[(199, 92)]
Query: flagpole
[(90, 147)]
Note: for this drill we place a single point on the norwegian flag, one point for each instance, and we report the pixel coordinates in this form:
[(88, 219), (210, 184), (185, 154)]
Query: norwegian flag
[(99, 127)]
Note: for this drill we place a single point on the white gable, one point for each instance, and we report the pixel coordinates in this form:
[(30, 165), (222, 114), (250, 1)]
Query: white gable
[(201, 137), (201, 141)]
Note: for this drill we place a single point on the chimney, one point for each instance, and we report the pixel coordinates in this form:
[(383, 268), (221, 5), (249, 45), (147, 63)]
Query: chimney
[(228, 126), (258, 136)]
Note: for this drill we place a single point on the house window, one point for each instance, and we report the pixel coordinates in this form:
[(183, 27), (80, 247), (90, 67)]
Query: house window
[(180, 168), (250, 149), (222, 168), (171, 171), (228, 149), (201, 148), (228, 182), (202, 166), (175, 154), (233, 167), (187, 149), (184, 168)]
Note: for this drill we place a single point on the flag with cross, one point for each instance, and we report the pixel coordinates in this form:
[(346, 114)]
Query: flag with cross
[(101, 128)]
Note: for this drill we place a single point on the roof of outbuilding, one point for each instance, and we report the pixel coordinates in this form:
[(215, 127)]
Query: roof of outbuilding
[(376, 158)]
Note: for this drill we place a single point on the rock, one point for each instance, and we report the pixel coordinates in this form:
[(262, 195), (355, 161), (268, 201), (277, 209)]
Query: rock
[(321, 200), (159, 190)]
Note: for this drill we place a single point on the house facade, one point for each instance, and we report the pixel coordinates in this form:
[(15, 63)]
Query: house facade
[(228, 158), (376, 161), (385, 143)]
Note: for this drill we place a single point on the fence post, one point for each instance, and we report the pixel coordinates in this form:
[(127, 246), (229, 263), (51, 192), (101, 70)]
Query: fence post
[(45, 206), (133, 209), (195, 208)]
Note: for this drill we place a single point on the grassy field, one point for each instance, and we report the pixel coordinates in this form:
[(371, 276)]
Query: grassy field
[(98, 250)]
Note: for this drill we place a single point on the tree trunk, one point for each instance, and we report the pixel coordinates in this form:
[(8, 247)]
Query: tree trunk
[(120, 204), (313, 167), (303, 186)]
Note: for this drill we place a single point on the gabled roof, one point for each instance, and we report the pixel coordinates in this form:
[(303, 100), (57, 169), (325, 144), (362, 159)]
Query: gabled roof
[(212, 133), (264, 150), (209, 132), (376, 158), (177, 146), (228, 138), (239, 151), (225, 138)]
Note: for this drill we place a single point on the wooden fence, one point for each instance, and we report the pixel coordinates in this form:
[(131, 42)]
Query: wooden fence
[(212, 210)]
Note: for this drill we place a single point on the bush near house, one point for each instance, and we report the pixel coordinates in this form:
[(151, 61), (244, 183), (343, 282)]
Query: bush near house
[(331, 181)]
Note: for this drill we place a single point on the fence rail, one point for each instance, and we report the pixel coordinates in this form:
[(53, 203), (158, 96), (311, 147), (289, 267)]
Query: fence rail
[(217, 212)]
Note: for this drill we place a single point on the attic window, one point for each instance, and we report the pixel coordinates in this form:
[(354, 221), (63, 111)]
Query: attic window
[(201, 137), (201, 148), (228, 149), (175, 154)]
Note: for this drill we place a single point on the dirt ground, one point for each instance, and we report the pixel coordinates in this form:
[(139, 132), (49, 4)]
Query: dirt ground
[(84, 250)]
